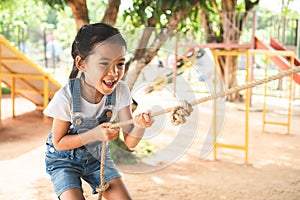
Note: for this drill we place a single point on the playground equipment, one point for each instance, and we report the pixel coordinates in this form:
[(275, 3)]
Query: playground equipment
[(243, 147), (281, 63), (183, 63), (25, 78), (275, 53), (194, 56), (284, 60)]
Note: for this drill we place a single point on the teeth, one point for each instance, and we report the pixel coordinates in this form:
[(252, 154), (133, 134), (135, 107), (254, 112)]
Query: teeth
[(110, 83)]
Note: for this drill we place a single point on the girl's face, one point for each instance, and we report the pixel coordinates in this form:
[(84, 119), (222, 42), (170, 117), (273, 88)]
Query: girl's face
[(104, 68)]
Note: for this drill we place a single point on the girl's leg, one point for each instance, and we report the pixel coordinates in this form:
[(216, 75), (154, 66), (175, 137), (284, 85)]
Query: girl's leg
[(72, 194), (116, 190)]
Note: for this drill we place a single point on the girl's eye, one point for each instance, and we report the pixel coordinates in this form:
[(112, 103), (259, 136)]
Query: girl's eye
[(104, 64), (120, 65)]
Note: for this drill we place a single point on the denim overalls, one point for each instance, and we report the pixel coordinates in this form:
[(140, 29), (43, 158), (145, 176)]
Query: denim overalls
[(67, 167)]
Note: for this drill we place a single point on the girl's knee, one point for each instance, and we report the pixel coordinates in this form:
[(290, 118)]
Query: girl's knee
[(116, 190), (72, 194)]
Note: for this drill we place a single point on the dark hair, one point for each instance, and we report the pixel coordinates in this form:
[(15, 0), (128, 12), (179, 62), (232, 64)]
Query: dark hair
[(89, 36)]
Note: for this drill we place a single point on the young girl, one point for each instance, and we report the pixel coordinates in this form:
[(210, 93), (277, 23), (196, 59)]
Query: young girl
[(82, 111)]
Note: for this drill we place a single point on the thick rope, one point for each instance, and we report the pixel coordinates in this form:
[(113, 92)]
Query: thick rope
[(103, 185), (220, 94), (178, 114)]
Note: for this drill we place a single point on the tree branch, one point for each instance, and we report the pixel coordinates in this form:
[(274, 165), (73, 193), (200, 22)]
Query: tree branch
[(111, 12), (215, 6), (80, 12), (176, 17)]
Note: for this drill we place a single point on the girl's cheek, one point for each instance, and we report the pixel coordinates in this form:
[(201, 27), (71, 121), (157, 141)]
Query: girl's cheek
[(98, 74), (99, 82), (121, 72)]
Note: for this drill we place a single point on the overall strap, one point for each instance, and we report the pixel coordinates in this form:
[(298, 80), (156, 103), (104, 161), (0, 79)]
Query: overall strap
[(111, 99), (105, 116), (74, 85), (107, 113)]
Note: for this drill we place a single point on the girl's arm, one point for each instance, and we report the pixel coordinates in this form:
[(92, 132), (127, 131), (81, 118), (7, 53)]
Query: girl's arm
[(133, 133), (63, 141)]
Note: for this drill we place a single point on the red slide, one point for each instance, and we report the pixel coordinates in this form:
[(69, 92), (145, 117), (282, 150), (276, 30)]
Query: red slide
[(280, 62)]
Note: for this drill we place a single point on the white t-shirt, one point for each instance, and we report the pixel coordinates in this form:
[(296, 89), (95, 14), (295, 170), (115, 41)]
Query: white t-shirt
[(61, 104)]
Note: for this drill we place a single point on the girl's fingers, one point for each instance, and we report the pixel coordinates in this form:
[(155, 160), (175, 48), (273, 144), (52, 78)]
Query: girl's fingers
[(111, 133), (146, 117), (108, 125)]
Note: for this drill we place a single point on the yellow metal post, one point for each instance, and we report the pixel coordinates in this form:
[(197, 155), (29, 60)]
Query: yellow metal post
[(0, 86), (46, 95), (0, 100), (291, 96), (265, 93), (13, 95), (247, 104)]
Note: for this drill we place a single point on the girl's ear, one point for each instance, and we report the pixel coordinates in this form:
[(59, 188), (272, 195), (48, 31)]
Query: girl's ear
[(79, 63)]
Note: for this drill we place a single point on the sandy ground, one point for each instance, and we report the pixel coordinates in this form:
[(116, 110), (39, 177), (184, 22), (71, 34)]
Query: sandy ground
[(272, 172)]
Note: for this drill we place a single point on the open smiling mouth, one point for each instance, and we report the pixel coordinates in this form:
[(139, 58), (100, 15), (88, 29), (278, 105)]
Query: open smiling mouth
[(109, 84)]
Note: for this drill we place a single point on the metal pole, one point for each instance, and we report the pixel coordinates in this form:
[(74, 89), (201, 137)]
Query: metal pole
[(247, 103), (13, 95), (175, 65), (216, 56), (0, 86)]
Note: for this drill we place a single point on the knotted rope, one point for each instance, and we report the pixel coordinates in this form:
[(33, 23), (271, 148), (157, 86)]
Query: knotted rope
[(178, 114), (219, 94), (103, 186)]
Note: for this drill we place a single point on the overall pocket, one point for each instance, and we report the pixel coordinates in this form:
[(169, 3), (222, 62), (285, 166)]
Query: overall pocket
[(52, 152)]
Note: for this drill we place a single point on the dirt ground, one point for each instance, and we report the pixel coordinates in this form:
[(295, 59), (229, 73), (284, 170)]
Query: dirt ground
[(272, 172)]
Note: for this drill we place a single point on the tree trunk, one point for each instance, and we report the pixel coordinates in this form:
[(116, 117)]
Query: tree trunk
[(137, 65), (142, 46), (111, 12), (231, 29), (232, 26), (80, 12), (228, 75)]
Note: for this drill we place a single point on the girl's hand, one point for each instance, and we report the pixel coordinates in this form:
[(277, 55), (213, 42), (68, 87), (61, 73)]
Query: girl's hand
[(144, 120), (108, 134)]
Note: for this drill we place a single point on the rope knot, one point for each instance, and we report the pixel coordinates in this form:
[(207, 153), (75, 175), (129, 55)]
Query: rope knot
[(102, 188), (179, 113)]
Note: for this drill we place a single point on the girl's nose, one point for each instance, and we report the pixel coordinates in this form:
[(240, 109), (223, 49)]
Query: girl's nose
[(113, 70)]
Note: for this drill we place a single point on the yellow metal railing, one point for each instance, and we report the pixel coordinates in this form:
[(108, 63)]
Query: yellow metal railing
[(243, 147), (247, 53), (269, 53)]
